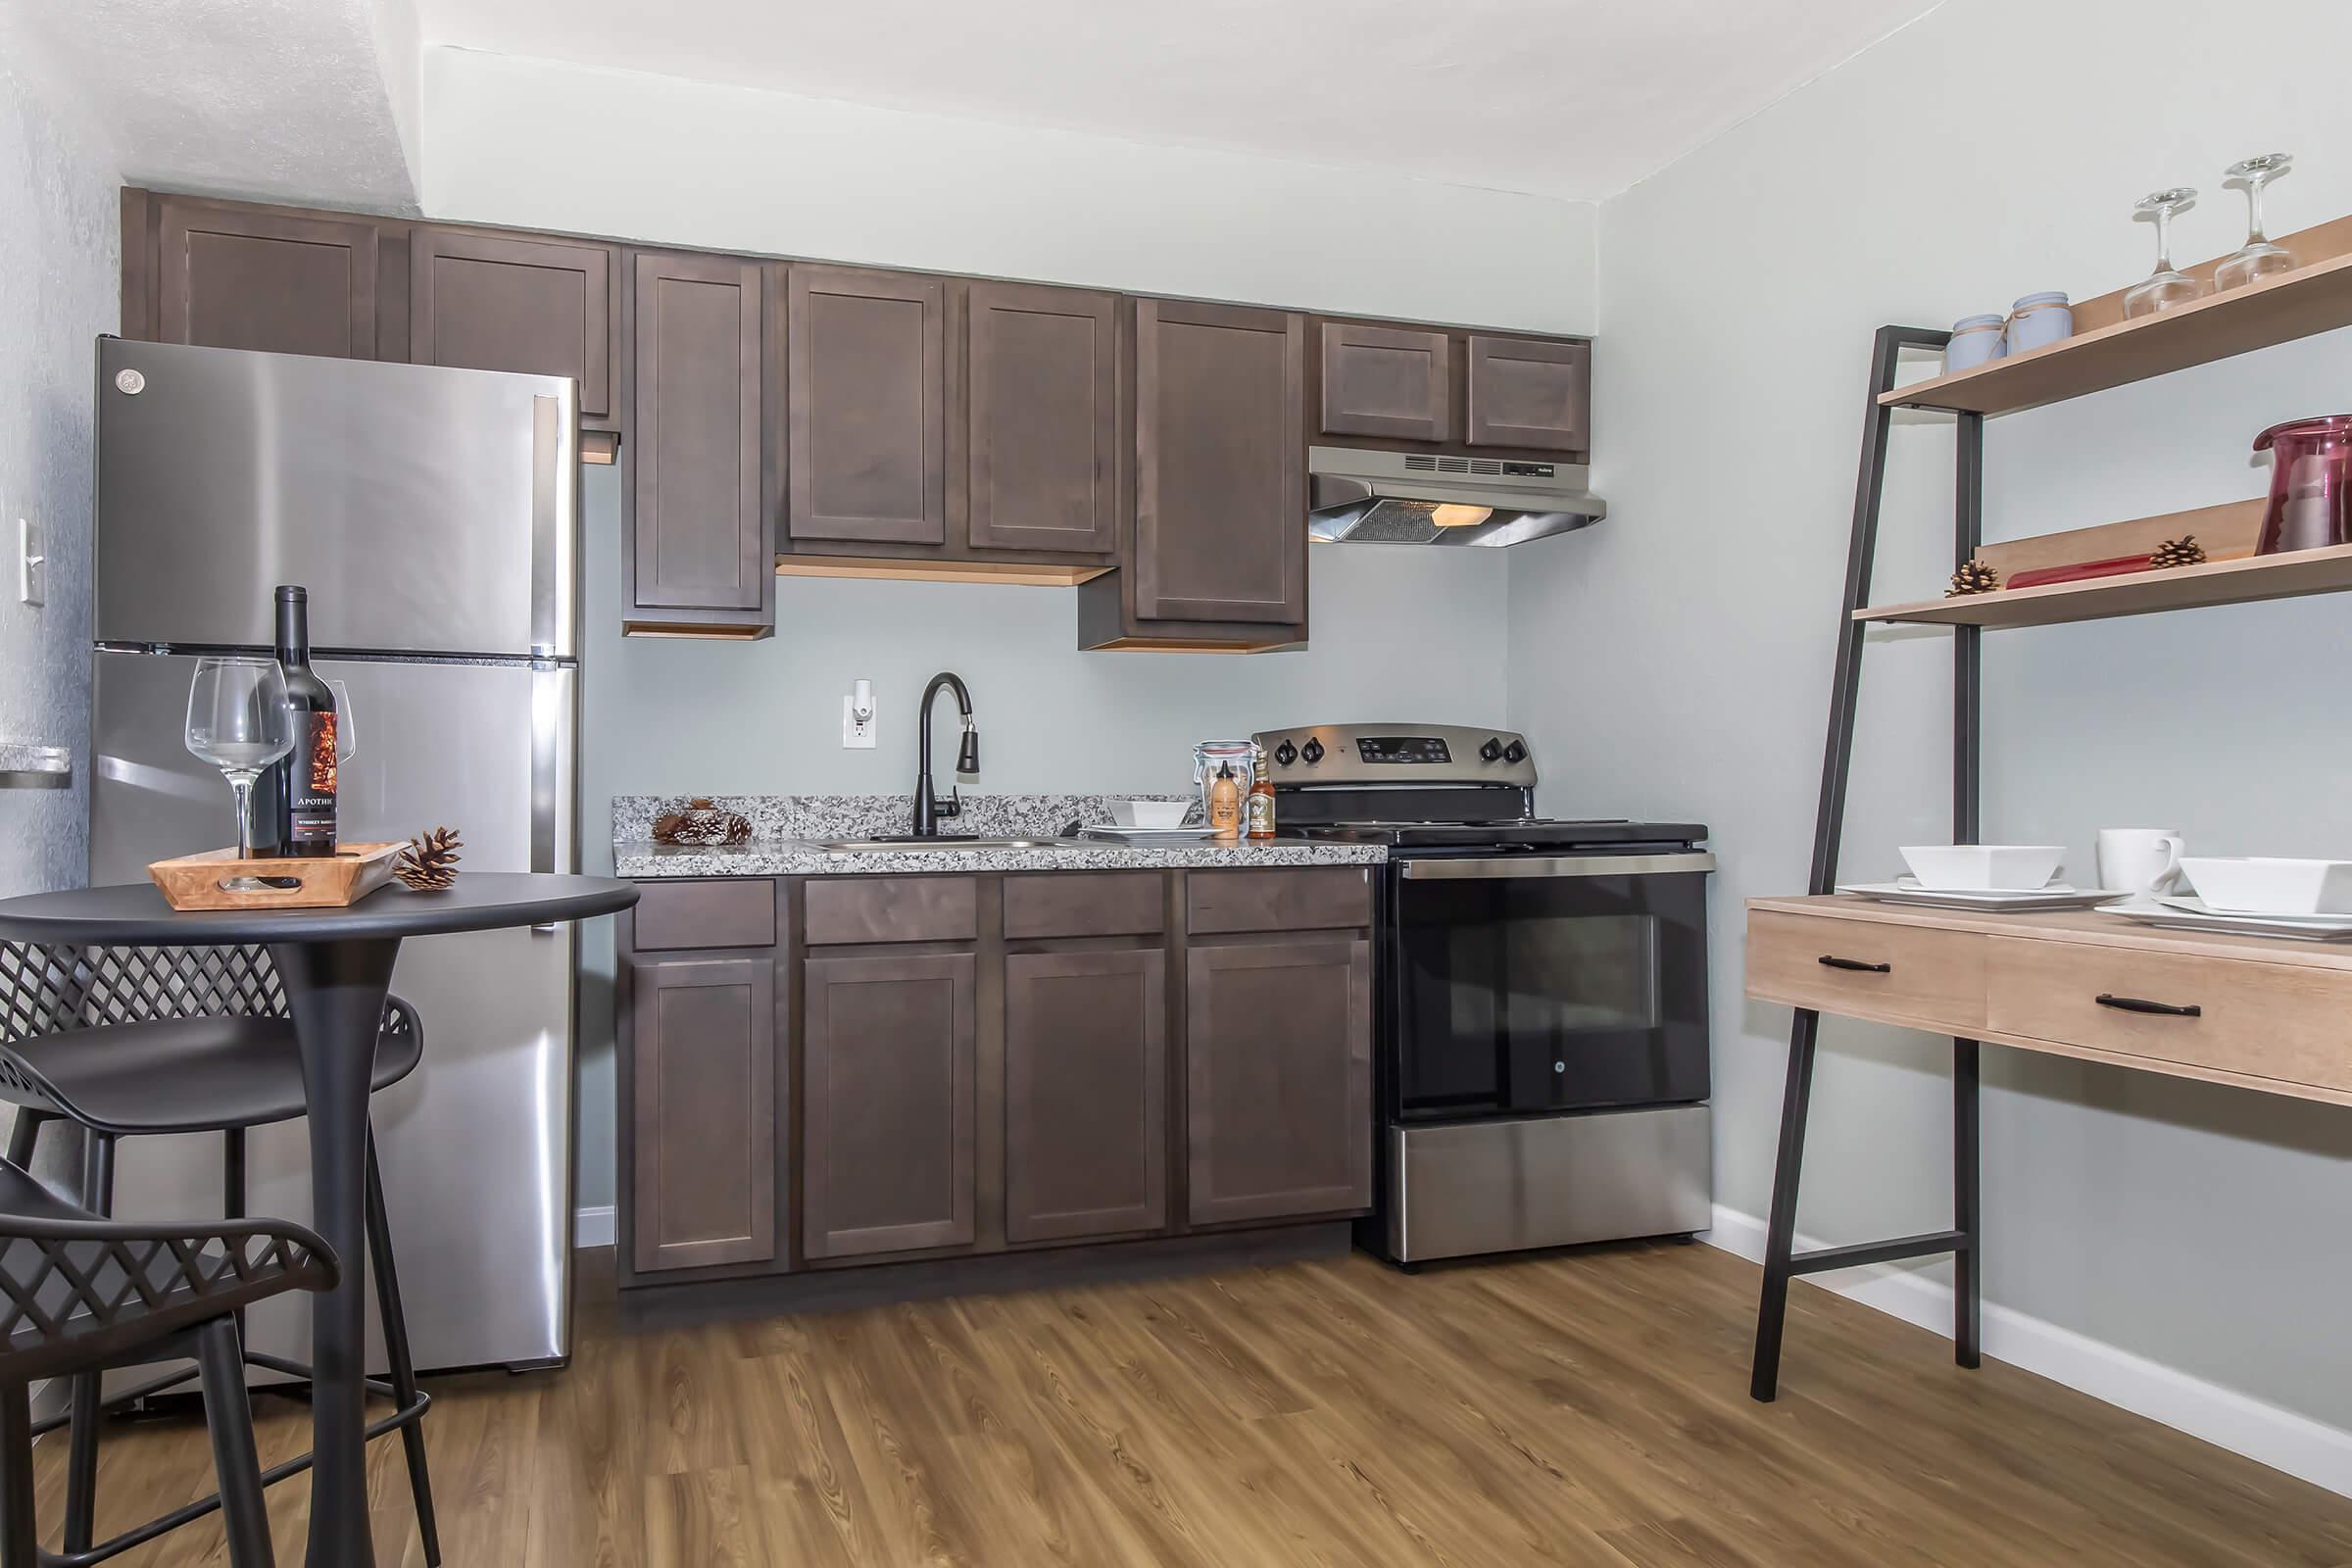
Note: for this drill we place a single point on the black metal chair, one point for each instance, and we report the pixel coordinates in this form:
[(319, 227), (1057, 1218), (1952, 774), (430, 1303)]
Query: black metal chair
[(135, 1041), (81, 1294)]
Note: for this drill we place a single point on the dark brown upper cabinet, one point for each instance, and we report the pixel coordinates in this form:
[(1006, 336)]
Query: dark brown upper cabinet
[(702, 539), (1278, 1063), (889, 1072), (234, 276), (502, 302), (1039, 431), (1215, 555), (866, 406), (1387, 381), (1086, 1093), (703, 1112), (1529, 392)]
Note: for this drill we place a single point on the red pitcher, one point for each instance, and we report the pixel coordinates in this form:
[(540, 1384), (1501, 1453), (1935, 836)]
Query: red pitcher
[(2311, 484)]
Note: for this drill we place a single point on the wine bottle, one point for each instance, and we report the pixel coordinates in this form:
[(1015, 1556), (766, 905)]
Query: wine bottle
[(305, 775)]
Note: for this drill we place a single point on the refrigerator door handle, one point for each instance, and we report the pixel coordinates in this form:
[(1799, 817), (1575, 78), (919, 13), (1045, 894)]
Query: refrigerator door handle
[(548, 717), (552, 546)]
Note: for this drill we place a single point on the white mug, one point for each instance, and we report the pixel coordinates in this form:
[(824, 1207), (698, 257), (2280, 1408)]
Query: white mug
[(2141, 859)]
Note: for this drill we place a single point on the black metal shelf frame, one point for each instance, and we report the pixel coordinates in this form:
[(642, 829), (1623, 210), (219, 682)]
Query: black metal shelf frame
[(1964, 1240)]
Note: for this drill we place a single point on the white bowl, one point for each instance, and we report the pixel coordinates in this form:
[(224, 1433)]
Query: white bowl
[(2262, 885), (1148, 813), (1978, 868)]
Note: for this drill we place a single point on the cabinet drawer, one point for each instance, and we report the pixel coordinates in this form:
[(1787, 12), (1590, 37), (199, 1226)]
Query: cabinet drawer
[(729, 913), (1074, 904), (1931, 980), (1314, 899), (2266, 1020), (893, 909)]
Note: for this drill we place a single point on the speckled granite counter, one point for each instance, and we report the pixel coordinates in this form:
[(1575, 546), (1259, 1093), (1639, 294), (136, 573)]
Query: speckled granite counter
[(785, 826)]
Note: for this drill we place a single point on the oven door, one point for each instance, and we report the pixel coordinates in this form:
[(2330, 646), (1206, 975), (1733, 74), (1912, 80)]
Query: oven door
[(1531, 983)]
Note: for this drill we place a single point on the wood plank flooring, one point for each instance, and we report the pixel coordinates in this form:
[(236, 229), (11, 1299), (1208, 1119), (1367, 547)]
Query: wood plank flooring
[(1587, 1410)]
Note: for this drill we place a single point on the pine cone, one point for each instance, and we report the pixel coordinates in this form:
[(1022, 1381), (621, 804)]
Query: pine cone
[(430, 861), (2181, 552), (1972, 577), (701, 822)]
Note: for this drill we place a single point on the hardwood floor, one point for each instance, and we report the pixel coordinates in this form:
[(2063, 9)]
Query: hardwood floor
[(1585, 1409)]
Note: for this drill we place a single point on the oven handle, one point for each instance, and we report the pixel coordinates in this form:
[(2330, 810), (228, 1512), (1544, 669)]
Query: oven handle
[(1539, 866)]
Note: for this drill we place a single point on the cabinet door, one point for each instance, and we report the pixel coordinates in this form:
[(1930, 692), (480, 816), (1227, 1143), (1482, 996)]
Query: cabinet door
[(887, 1094), (1278, 1067), (1387, 381), (1526, 393), (1041, 419), (487, 302), (1086, 1108), (703, 1104), (1221, 464), (701, 536), (867, 388), (285, 282)]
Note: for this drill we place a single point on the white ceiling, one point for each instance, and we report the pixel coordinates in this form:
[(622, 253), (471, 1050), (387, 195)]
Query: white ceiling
[(1572, 98), (292, 100)]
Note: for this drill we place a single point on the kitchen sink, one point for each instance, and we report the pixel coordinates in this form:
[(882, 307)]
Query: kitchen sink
[(886, 846)]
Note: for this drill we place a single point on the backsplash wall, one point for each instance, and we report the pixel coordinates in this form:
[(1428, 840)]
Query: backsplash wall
[(1400, 632)]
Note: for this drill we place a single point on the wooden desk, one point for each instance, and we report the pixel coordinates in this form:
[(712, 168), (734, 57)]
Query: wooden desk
[(2273, 1014)]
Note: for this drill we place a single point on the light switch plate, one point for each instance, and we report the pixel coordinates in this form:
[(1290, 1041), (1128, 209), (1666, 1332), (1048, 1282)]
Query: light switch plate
[(31, 587), (853, 735)]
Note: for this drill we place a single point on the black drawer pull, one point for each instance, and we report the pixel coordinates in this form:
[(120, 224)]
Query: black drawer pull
[(2140, 1005), (1856, 964)]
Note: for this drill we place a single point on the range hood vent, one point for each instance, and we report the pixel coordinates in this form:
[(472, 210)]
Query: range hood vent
[(1361, 496)]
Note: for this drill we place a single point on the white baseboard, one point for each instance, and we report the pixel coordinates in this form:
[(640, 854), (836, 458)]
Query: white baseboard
[(592, 1227), (2308, 1450)]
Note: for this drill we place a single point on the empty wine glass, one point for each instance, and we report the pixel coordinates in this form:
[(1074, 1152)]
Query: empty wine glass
[(238, 721), (2168, 285), (2258, 257)]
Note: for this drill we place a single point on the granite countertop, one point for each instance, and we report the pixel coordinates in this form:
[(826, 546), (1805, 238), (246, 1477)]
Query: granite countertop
[(785, 827)]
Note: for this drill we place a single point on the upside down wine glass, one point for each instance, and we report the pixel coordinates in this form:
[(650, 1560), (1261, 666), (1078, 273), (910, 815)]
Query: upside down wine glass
[(237, 722), (2258, 258), (2168, 285)]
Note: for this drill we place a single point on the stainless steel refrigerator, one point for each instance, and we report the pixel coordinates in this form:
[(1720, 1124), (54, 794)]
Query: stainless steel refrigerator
[(432, 515)]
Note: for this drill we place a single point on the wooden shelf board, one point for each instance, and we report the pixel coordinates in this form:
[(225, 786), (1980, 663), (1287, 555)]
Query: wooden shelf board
[(2108, 350), (2068, 925), (2142, 592)]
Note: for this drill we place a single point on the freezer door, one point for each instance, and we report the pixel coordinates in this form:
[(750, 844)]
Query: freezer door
[(426, 509), (476, 1145)]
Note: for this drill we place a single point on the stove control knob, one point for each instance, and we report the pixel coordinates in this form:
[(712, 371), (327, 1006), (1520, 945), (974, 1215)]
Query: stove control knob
[(1492, 750), (1515, 753), (1286, 753), (1313, 751)]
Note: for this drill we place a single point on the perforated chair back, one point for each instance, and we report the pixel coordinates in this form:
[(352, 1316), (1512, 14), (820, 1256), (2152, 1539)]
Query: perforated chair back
[(46, 989)]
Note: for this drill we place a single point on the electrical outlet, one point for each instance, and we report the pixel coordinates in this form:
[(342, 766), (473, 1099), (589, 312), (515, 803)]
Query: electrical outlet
[(856, 736), (30, 577)]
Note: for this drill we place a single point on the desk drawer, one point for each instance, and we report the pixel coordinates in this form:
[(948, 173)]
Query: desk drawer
[(2266, 1020), (1931, 980)]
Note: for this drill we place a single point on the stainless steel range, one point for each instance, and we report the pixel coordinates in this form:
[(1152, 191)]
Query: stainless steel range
[(1541, 1028)]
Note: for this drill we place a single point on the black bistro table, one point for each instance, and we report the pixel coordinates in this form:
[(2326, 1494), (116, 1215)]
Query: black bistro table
[(336, 965)]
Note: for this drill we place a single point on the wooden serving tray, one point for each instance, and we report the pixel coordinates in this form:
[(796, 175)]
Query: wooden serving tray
[(195, 881)]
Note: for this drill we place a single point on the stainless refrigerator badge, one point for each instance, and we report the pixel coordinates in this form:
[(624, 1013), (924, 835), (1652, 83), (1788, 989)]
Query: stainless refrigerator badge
[(432, 516)]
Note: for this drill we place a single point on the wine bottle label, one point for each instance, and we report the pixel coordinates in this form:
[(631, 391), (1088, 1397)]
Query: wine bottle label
[(311, 807)]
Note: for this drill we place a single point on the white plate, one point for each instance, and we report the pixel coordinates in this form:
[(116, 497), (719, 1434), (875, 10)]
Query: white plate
[(2147, 911), (2056, 896), (2191, 904), (1162, 837)]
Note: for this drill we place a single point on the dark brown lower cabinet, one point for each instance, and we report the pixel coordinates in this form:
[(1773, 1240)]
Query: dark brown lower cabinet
[(1086, 1093), (1278, 1057), (888, 1090), (703, 1109)]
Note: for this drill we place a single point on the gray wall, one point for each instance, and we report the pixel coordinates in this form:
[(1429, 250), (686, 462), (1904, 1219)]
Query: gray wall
[(1678, 659), (57, 293), (1398, 632)]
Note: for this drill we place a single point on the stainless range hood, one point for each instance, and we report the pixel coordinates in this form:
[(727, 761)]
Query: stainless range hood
[(1359, 495)]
